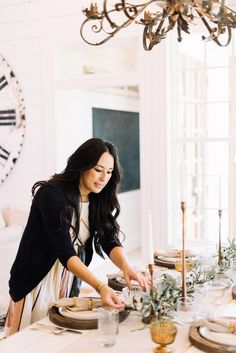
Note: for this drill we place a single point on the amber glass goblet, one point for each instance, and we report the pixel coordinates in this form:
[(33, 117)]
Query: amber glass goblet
[(163, 333), (179, 265)]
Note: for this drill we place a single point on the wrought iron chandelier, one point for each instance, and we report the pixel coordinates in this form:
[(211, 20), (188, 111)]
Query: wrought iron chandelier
[(158, 17)]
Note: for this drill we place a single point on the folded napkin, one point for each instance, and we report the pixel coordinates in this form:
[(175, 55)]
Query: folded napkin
[(78, 304), (173, 253), (168, 259), (222, 325)]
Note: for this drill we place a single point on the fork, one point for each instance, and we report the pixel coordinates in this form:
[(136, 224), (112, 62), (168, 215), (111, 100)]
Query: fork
[(56, 330)]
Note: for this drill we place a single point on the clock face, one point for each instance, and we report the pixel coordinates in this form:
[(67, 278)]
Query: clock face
[(12, 119)]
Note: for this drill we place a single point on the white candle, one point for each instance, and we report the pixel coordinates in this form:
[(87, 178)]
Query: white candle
[(183, 182), (150, 251), (219, 193)]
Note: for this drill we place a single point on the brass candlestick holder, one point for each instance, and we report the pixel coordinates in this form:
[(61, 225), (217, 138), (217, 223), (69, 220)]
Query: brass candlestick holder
[(183, 208), (219, 245), (150, 268)]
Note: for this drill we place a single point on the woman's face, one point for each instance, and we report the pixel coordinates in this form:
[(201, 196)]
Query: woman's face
[(96, 178)]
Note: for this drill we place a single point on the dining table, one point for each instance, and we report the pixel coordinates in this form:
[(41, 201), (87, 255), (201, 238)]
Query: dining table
[(133, 337)]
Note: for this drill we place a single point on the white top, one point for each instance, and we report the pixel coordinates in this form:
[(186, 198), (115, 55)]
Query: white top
[(84, 222)]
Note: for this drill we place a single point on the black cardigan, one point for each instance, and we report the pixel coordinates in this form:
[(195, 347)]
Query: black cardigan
[(44, 241)]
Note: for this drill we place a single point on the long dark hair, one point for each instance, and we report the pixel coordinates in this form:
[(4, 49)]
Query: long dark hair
[(104, 207)]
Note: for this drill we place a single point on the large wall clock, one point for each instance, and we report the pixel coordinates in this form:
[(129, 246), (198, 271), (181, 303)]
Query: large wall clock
[(12, 119)]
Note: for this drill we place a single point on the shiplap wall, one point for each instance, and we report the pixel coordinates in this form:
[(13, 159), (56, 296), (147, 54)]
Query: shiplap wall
[(30, 33)]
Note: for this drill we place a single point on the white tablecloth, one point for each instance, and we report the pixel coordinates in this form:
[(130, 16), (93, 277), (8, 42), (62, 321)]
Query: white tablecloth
[(132, 338)]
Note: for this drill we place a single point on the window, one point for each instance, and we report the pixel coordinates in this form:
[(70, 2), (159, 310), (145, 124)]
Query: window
[(205, 138)]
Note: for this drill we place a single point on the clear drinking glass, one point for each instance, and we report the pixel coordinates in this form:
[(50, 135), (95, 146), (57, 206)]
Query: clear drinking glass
[(216, 292), (201, 307), (108, 326), (185, 307)]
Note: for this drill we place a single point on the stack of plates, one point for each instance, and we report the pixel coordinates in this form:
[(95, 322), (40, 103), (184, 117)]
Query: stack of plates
[(227, 339), (79, 320), (210, 341), (119, 283), (167, 258)]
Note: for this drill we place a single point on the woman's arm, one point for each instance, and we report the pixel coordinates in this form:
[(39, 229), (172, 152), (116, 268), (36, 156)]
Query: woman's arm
[(119, 258), (108, 295)]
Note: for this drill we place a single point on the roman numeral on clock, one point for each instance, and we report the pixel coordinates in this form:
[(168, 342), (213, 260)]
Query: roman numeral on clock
[(4, 154), (8, 117), (3, 82)]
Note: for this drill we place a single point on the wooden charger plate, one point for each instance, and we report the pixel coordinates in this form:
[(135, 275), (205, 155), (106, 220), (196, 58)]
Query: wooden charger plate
[(207, 346), (78, 324), (159, 262), (116, 285)]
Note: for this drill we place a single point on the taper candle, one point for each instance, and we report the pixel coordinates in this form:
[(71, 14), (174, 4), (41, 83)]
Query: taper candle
[(183, 181), (183, 207), (150, 251), (219, 208)]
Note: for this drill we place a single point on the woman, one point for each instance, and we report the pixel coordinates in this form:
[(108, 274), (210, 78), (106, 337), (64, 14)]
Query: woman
[(70, 213)]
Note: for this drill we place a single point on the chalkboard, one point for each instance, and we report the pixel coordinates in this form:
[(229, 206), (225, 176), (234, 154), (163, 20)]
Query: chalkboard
[(122, 129)]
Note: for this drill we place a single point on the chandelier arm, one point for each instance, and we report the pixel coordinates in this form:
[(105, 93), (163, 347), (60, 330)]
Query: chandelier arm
[(228, 40), (106, 14), (138, 8), (147, 34), (205, 22), (133, 8), (230, 10), (215, 38), (164, 15), (153, 37), (96, 30), (179, 38)]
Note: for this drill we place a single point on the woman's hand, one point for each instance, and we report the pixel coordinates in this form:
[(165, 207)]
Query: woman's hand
[(130, 273), (110, 298)]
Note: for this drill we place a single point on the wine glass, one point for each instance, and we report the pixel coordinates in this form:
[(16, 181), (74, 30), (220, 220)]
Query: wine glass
[(163, 333)]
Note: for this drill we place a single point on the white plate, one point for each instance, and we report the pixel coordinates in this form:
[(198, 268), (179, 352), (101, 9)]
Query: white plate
[(173, 259), (227, 339), (174, 253), (168, 259), (122, 281), (80, 315)]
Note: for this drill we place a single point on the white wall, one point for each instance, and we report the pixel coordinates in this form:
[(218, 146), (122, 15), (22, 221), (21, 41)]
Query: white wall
[(32, 34), (29, 37)]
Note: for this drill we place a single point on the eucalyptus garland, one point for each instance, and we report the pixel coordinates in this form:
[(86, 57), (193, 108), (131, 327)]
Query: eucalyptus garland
[(228, 254), (160, 301)]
